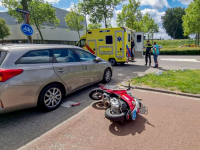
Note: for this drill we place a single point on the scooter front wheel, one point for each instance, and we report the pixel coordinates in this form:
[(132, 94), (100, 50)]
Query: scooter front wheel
[(115, 117), (96, 94)]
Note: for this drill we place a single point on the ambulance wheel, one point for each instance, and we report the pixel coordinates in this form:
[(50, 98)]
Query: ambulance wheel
[(112, 61)]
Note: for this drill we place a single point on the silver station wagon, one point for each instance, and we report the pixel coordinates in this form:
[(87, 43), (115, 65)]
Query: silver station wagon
[(42, 75)]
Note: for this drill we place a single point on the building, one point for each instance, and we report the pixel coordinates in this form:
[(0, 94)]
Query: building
[(51, 35)]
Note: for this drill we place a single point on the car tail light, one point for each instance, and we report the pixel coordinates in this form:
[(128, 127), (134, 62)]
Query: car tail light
[(6, 74)]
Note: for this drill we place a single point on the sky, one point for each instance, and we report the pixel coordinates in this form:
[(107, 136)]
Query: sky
[(156, 8)]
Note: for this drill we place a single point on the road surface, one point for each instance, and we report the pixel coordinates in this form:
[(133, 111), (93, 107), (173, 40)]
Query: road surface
[(21, 127)]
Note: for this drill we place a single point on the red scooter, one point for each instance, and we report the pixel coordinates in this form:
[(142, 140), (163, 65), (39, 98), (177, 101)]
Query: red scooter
[(119, 103)]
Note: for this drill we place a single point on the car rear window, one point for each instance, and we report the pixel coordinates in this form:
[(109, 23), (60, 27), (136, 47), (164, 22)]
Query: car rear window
[(2, 56), (35, 57)]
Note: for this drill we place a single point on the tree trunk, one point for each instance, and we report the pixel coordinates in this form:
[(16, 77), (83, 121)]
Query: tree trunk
[(41, 35), (86, 23), (39, 32), (198, 39), (152, 37), (105, 22), (25, 7), (79, 34)]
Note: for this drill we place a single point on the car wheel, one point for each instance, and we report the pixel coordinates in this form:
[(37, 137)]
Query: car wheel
[(112, 62), (51, 97), (107, 75)]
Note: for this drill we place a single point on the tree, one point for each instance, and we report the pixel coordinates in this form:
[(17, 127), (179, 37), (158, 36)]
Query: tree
[(4, 29), (103, 10), (74, 20), (130, 15), (94, 26), (191, 19), (85, 7), (172, 22), (41, 12), (153, 28)]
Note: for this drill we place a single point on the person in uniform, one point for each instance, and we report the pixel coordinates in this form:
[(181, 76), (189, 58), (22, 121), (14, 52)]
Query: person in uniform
[(148, 53)]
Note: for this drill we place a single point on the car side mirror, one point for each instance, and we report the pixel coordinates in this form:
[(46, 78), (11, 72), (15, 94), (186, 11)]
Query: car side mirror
[(97, 59)]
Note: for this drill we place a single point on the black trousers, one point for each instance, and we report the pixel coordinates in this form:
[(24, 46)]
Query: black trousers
[(146, 58)]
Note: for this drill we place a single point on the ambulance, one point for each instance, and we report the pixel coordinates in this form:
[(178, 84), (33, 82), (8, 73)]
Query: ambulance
[(113, 44)]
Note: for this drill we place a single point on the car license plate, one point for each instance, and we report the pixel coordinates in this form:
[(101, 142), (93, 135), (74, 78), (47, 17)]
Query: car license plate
[(134, 115)]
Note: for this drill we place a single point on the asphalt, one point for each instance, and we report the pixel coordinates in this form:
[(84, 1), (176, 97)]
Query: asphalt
[(173, 123), (21, 127)]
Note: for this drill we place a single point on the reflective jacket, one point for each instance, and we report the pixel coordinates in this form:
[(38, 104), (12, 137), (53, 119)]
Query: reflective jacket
[(148, 48)]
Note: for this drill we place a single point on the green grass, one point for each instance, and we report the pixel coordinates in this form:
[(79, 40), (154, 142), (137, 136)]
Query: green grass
[(179, 48), (187, 81), (172, 43)]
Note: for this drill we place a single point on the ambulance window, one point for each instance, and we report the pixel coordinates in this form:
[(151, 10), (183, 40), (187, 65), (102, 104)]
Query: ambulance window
[(129, 37), (109, 40), (139, 39)]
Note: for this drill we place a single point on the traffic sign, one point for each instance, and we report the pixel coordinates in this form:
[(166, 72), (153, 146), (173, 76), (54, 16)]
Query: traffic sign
[(22, 11), (26, 29)]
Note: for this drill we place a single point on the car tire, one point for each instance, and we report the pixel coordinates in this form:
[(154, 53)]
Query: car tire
[(112, 61), (51, 97), (107, 75)]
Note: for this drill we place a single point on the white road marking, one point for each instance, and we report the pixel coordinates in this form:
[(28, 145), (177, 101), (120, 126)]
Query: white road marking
[(68, 104), (179, 59), (120, 75)]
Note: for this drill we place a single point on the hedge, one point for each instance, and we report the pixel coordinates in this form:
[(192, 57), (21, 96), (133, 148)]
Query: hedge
[(178, 52)]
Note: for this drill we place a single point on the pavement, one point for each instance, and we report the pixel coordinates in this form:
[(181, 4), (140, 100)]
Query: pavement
[(21, 127), (173, 123)]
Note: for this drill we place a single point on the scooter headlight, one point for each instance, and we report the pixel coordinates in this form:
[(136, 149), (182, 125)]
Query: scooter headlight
[(133, 102)]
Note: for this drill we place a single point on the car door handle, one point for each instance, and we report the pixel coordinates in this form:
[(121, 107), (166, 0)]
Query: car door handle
[(61, 70)]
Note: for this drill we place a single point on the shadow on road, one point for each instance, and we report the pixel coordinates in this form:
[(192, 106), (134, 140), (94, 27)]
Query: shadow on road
[(129, 127), (98, 105)]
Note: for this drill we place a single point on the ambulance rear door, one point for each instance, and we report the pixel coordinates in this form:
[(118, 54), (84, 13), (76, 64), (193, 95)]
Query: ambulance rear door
[(139, 41), (119, 44)]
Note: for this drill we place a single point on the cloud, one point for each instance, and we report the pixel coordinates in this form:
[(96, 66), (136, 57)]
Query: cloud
[(185, 2), (52, 1), (2, 9), (69, 8), (155, 4), (157, 18)]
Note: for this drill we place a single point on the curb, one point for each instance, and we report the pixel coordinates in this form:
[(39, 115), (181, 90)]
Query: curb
[(162, 91)]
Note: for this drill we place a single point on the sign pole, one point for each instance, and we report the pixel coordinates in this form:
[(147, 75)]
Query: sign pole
[(25, 17)]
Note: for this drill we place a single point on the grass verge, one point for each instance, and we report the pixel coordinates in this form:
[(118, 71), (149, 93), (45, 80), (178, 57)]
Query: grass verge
[(187, 81)]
